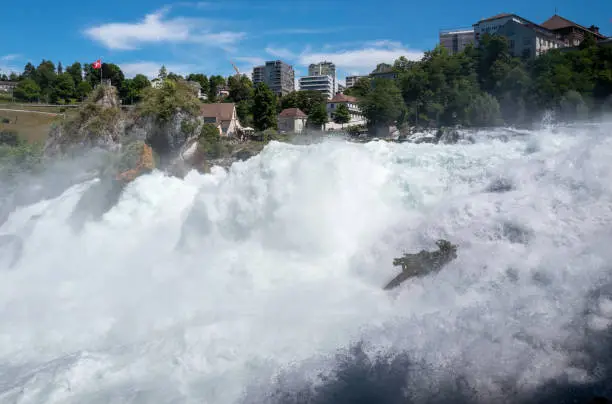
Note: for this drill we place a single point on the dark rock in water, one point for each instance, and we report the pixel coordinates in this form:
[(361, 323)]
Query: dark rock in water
[(425, 139), (423, 263), (243, 155), (447, 136), (500, 185), (515, 233)]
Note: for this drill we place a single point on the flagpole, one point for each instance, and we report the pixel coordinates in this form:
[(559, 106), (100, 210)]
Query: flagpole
[(100, 71)]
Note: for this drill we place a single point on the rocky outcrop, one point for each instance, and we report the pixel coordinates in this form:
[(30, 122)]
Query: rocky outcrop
[(99, 123), (423, 263)]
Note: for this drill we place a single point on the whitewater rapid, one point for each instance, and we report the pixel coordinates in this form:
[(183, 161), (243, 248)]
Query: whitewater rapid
[(227, 287)]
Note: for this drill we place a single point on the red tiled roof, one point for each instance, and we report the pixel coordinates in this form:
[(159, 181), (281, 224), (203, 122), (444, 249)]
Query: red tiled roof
[(223, 111), (557, 22), (343, 98), (292, 113)]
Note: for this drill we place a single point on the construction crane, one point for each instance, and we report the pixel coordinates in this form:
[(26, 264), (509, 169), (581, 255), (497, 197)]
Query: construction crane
[(235, 68)]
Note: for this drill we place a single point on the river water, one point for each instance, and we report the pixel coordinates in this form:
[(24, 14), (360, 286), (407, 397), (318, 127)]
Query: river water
[(264, 283)]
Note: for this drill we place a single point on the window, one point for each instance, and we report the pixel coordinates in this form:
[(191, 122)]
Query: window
[(527, 53)]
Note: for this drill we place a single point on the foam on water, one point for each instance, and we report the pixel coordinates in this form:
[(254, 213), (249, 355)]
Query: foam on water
[(222, 288)]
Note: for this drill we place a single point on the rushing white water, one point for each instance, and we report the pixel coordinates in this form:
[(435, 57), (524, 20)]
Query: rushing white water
[(205, 289)]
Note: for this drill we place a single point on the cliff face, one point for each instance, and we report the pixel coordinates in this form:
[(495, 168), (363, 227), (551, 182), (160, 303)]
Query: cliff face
[(101, 123)]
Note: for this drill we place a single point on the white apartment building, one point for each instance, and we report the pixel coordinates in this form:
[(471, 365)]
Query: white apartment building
[(323, 84), (351, 80), (324, 69)]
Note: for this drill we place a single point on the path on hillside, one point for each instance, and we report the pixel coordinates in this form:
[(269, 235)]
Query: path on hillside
[(35, 112)]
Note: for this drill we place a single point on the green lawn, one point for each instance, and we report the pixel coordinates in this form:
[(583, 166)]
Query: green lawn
[(31, 127)]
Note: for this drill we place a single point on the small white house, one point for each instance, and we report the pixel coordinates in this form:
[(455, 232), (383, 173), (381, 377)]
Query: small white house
[(292, 120)]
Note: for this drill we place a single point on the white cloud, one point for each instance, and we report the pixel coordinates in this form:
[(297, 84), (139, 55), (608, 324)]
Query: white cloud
[(10, 57), (282, 53), (364, 59), (6, 67), (255, 61), (151, 69), (304, 31), (155, 29)]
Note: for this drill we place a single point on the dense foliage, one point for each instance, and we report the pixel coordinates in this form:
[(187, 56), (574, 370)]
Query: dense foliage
[(477, 87), (487, 86)]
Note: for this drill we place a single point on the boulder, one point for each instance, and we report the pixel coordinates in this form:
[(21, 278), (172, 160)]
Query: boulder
[(423, 263)]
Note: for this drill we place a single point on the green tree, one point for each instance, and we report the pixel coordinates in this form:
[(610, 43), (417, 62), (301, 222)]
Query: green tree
[(202, 79), (240, 88), (27, 90), (163, 73), (76, 71), (318, 116), (215, 83), (29, 72), (383, 105), (209, 141), (342, 114), (305, 100), (63, 88), (360, 89), (45, 77), (264, 108), (82, 90), (484, 111)]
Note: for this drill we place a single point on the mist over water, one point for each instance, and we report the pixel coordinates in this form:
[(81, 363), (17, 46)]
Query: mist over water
[(264, 283)]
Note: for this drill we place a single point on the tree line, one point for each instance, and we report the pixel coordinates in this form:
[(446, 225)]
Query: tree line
[(256, 105), (487, 86)]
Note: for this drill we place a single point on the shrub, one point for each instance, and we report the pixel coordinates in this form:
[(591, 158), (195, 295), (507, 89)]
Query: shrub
[(171, 97)]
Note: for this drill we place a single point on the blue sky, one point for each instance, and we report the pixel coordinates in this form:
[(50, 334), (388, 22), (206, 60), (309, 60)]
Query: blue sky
[(204, 37)]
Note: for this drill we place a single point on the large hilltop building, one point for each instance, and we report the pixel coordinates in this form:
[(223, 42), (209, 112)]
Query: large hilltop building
[(455, 40), (526, 38), (571, 33)]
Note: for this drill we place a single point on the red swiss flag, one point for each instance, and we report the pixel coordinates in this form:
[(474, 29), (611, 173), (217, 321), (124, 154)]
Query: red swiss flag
[(97, 64)]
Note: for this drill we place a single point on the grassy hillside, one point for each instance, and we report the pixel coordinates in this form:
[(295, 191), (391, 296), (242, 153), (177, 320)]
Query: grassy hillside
[(31, 127)]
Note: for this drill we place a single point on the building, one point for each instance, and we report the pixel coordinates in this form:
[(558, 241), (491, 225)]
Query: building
[(571, 33), (526, 42), (324, 69), (258, 74), (383, 71), (223, 115), (340, 89), (455, 40), (526, 39), (351, 80), (323, 84), (277, 75), (7, 86), (197, 88), (357, 117), (292, 120)]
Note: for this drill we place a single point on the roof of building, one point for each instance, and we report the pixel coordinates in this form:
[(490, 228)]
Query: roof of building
[(223, 111), (557, 22), (292, 113), (498, 16), (343, 98), (8, 83)]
